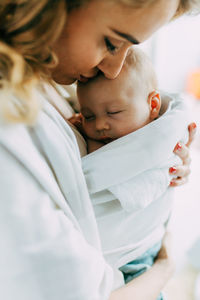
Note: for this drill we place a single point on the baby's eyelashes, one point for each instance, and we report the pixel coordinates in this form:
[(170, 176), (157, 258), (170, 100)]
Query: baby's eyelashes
[(89, 118), (114, 112)]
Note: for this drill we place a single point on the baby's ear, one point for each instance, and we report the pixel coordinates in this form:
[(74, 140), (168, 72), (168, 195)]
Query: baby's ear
[(154, 102)]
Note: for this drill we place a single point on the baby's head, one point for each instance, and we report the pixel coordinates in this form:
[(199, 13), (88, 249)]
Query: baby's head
[(114, 108)]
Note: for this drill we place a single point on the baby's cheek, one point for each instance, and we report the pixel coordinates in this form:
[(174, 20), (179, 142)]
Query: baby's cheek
[(89, 128), (120, 129), (126, 127)]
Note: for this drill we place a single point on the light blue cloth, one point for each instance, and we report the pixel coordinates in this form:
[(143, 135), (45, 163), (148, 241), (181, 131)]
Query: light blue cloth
[(140, 265)]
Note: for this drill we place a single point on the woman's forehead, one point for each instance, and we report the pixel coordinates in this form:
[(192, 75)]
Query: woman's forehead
[(129, 22)]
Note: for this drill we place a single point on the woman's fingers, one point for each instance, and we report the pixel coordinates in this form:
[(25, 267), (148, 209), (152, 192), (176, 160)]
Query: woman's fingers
[(178, 181), (182, 172), (192, 131), (179, 171), (183, 152)]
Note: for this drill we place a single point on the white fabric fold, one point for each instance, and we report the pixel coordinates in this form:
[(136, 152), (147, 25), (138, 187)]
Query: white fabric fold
[(139, 192)]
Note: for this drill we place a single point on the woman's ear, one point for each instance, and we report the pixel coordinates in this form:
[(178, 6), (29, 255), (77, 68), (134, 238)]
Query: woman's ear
[(154, 102)]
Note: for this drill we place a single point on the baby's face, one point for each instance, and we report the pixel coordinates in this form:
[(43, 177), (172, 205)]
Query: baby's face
[(113, 108)]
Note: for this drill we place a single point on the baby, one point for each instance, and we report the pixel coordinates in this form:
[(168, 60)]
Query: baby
[(128, 176), (111, 109)]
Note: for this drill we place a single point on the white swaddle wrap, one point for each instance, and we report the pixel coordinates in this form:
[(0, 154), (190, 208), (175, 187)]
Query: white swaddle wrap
[(128, 183)]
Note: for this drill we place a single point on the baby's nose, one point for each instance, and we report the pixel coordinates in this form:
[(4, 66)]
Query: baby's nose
[(101, 124)]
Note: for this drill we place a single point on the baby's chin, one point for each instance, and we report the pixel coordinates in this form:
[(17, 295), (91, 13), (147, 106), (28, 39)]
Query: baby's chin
[(105, 139)]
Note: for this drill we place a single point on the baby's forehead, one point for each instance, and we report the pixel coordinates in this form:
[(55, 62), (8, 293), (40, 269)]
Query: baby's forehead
[(127, 82), (128, 74)]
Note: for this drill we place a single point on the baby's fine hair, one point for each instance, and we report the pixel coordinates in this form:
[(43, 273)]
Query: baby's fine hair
[(139, 63)]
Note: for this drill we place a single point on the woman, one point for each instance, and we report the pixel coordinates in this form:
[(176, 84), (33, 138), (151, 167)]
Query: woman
[(50, 247)]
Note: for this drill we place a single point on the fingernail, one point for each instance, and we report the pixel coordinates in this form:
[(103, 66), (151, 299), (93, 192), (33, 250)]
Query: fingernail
[(172, 170), (153, 104), (172, 183), (178, 147), (193, 126)]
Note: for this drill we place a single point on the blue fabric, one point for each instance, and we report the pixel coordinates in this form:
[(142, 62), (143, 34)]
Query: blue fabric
[(140, 265)]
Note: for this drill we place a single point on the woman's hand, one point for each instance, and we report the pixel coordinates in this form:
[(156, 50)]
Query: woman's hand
[(77, 121), (165, 255), (150, 283), (182, 172)]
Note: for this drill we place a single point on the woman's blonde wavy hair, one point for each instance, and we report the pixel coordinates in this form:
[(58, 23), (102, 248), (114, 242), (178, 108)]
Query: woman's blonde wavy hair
[(28, 29)]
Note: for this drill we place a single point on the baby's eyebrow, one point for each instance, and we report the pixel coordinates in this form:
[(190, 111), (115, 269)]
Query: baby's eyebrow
[(85, 110), (117, 106)]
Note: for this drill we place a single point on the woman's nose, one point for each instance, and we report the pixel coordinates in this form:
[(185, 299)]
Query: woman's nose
[(112, 65), (101, 124)]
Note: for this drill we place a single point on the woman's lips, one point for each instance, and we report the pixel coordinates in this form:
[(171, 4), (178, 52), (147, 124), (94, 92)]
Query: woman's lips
[(83, 78)]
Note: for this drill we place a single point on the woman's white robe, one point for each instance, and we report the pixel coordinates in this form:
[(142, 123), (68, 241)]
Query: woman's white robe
[(49, 245)]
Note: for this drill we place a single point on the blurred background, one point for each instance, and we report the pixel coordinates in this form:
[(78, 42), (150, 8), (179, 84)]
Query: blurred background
[(175, 52)]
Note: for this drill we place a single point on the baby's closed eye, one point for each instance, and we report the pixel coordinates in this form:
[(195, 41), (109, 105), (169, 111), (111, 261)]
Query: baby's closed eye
[(114, 112), (89, 118)]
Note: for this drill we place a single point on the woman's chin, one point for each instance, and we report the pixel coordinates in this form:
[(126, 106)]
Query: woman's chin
[(65, 80)]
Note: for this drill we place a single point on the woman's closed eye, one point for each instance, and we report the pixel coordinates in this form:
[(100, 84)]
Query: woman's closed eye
[(110, 47)]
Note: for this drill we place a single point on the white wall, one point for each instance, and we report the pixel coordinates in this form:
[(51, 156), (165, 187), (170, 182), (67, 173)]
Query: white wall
[(175, 51)]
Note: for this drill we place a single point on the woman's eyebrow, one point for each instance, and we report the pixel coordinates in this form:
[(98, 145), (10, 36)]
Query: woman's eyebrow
[(128, 37)]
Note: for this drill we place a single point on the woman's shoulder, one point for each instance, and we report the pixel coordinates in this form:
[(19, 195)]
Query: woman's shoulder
[(18, 153), (28, 144)]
